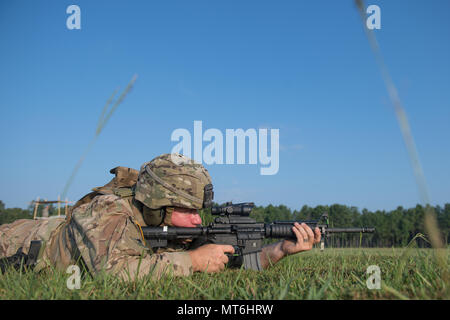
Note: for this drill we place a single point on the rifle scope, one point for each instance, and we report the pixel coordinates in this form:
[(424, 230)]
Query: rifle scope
[(241, 209)]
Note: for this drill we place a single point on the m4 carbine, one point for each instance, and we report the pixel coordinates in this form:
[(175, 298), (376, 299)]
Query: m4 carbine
[(235, 227)]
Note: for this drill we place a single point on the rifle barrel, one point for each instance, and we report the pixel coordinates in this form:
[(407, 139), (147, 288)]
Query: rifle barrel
[(357, 230)]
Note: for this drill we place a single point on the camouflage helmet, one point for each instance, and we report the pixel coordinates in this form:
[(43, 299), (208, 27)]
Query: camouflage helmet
[(173, 180)]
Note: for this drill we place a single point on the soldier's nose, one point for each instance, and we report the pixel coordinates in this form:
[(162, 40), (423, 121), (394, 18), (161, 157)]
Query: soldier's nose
[(196, 219)]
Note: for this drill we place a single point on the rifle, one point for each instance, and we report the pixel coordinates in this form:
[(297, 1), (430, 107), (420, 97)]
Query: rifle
[(234, 226), (21, 261)]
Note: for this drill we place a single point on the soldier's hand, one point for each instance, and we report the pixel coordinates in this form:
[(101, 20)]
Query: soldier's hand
[(306, 238), (210, 257)]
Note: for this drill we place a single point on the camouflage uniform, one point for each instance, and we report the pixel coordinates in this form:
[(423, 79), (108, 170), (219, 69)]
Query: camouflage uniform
[(103, 231)]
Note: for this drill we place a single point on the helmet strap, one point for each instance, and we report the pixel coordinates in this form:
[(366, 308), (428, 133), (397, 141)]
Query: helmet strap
[(163, 212)]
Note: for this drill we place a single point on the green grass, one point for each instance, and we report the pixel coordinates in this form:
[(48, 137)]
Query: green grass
[(332, 274)]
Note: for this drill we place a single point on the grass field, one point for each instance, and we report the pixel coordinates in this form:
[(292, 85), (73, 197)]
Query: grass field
[(332, 274)]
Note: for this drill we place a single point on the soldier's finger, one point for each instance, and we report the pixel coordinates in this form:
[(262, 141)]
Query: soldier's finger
[(224, 259), (317, 235), (308, 231), (227, 248), (304, 235), (297, 234)]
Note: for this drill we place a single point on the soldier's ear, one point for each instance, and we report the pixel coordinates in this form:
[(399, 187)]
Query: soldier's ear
[(156, 217)]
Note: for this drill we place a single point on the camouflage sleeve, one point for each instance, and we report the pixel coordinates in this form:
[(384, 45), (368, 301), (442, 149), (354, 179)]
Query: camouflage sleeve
[(107, 238)]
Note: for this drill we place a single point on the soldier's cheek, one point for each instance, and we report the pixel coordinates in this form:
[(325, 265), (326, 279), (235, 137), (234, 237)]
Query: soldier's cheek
[(181, 220)]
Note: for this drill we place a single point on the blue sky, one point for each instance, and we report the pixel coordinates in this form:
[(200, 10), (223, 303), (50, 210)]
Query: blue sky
[(303, 67)]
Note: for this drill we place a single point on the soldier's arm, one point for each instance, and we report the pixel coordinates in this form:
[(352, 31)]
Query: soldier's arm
[(306, 238), (108, 238)]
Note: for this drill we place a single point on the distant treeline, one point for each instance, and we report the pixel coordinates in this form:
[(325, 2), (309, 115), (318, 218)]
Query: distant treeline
[(398, 227), (8, 215)]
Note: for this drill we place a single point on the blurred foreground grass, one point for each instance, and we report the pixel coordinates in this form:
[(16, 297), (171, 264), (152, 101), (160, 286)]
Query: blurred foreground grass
[(332, 274)]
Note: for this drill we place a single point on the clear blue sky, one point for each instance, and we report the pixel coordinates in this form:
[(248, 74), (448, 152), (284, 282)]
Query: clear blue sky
[(303, 67)]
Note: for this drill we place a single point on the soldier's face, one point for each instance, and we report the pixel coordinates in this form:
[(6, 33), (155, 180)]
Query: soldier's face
[(182, 217)]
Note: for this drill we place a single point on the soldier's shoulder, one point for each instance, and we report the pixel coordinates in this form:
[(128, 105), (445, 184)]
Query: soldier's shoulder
[(103, 204), (106, 200)]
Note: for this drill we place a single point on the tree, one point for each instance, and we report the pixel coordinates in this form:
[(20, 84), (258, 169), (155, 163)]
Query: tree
[(11, 214)]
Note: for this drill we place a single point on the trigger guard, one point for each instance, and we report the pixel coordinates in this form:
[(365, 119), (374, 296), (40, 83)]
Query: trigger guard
[(235, 260)]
